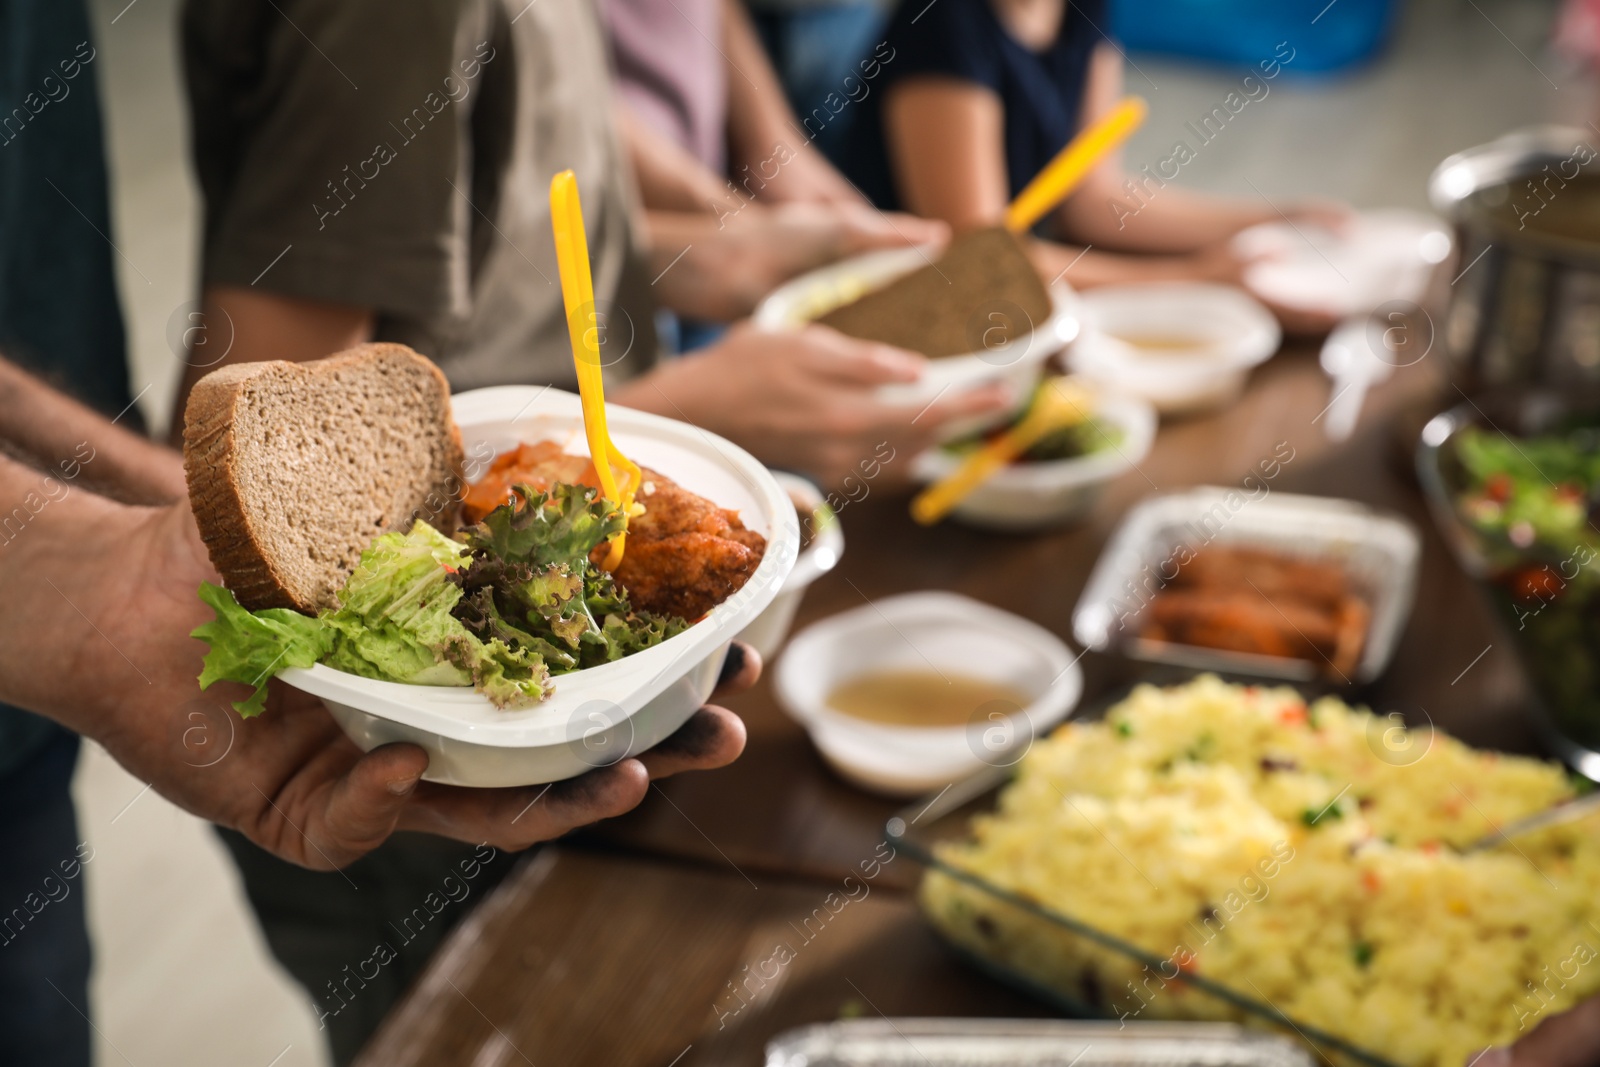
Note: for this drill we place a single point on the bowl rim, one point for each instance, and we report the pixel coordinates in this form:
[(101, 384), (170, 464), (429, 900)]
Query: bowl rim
[(1133, 415), (886, 264), (1259, 336), (1499, 161), (1053, 703), (1438, 433), (827, 537), (629, 683)]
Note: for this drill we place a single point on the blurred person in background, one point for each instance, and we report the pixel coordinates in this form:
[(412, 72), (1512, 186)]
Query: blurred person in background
[(982, 94), (707, 130), (693, 74), (416, 210), (59, 317), (368, 176), (1576, 39), (826, 53)]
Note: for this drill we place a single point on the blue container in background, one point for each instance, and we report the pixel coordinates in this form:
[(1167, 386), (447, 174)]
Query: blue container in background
[(1244, 32)]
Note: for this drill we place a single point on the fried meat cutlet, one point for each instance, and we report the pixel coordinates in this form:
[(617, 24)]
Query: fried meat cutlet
[(684, 555)]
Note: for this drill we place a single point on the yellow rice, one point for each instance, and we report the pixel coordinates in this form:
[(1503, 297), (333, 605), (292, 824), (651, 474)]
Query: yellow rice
[(1180, 824)]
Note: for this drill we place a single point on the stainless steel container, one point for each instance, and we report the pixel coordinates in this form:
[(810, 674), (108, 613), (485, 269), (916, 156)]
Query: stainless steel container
[(1525, 304), (1559, 648), (1028, 1043)]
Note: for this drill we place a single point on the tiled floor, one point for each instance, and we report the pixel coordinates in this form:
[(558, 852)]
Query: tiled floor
[(1453, 79), (182, 978)]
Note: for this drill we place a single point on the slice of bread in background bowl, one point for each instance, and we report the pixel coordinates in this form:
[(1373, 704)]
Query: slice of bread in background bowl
[(600, 715), (1002, 351)]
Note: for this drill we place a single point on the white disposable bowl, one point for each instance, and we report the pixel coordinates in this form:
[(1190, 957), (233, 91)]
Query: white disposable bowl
[(926, 632), (597, 716), (1018, 362), (1381, 255), (1027, 496), (1237, 333), (766, 634)]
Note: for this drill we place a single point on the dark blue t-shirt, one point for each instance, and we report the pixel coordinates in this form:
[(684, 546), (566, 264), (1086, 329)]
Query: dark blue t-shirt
[(1040, 92), (59, 315)]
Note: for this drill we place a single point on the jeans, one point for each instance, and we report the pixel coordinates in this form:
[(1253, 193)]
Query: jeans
[(680, 336), (44, 942), (814, 50), (355, 939), (58, 299)]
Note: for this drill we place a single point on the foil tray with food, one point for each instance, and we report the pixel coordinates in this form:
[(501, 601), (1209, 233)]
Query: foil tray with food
[(1027, 1043), (1262, 584), (1216, 851)]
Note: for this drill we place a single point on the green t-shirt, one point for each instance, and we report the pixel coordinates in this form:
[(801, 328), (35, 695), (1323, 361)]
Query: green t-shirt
[(399, 158)]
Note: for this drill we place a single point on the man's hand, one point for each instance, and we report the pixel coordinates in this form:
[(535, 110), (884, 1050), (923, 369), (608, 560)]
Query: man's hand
[(101, 612), (1570, 1039), (720, 268), (297, 786), (808, 178), (1332, 215), (79, 446), (808, 401)]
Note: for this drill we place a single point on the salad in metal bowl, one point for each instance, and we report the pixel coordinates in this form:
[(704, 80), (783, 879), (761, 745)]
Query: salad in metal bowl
[(1519, 493)]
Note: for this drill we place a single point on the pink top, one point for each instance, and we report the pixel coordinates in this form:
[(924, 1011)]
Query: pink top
[(670, 70)]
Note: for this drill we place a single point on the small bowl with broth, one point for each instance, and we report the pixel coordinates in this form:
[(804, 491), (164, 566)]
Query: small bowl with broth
[(911, 693), (1183, 346)]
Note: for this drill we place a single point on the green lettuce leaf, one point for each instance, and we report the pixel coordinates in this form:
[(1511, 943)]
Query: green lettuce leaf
[(514, 601), (531, 584), (251, 647), (404, 577), (395, 622), (539, 529), (623, 635)]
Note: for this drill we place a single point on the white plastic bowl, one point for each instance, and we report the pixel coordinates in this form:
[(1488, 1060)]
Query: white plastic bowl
[(1381, 255), (1234, 330), (926, 631), (1018, 363), (1028, 496), (766, 634), (597, 716)]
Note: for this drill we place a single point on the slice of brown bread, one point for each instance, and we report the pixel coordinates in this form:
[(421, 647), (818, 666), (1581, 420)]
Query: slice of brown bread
[(294, 468), (982, 292)]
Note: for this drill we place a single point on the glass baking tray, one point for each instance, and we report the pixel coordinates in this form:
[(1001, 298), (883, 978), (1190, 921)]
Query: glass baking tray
[(1079, 968), (1027, 1043), (1378, 551)]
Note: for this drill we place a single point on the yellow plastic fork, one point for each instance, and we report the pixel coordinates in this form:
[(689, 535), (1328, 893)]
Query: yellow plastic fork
[(1073, 163), (583, 326), (1060, 402)]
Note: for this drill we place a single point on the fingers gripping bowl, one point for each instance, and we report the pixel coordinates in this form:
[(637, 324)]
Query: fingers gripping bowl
[(598, 715)]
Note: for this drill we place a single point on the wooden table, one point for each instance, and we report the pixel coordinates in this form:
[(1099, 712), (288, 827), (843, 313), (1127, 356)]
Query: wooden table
[(636, 944)]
